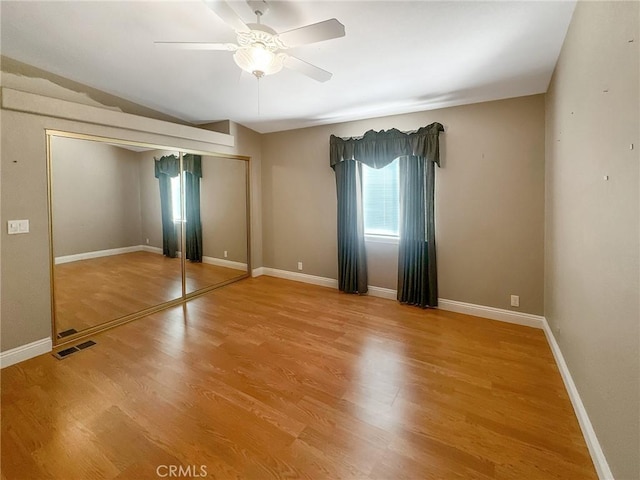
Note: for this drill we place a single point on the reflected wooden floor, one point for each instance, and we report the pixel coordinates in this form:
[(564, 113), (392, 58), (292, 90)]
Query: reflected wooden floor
[(267, 378), (91, 292), (203, 275)]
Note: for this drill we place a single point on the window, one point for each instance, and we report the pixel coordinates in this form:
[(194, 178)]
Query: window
[(175, 199), (381, 200)]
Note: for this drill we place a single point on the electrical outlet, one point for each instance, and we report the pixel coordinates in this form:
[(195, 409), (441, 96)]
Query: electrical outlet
[(515, 301), (147, 241), (225, 254), (299, 265)]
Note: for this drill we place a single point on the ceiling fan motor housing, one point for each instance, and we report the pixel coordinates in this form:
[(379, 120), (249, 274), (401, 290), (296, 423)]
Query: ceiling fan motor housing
[(260, 34)]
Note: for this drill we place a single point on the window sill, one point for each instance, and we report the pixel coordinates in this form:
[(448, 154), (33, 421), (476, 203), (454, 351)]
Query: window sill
[(382, 239)]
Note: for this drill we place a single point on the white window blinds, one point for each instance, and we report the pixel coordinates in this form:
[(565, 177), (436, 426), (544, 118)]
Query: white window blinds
[(381, 199)]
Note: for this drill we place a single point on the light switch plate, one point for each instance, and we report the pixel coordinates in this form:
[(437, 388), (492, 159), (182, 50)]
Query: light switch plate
[(15, 227)]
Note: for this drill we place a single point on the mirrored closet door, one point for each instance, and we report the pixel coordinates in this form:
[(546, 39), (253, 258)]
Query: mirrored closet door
[(216, 231), (137, 227)]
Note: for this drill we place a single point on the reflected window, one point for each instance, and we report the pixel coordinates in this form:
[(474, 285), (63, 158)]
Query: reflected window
[(175, 199)]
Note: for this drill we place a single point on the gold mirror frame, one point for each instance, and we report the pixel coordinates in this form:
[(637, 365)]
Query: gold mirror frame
[(162, 306)]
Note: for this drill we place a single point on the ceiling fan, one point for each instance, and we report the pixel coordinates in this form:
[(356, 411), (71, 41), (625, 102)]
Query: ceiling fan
[(259, 50)]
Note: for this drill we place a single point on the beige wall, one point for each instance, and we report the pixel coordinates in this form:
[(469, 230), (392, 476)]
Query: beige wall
[(104, 197), (223, 205), (249, 143), (592, 259), (489, 195), (96, 196)]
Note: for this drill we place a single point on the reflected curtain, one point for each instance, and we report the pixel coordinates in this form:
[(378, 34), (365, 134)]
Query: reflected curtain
[(417, 273), (165, 168), (420, 150), (352, 261), (193, 227)]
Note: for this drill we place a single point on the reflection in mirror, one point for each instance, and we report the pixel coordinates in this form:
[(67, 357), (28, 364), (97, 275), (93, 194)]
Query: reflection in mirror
[(107, 234), (216, 235)]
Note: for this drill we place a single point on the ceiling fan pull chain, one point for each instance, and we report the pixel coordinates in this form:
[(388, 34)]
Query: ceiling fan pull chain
[(258, 96)]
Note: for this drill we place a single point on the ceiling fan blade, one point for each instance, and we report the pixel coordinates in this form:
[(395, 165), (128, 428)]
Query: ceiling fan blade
[(317, 32), (294, 63), (227, 14), (198, 46)]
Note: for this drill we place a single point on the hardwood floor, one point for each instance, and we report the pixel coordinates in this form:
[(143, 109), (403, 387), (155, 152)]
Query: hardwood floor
[(203, 275), (91, 292), (268, 378)]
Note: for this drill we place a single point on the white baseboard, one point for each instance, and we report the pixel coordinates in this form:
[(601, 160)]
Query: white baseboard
[(315, 280), (597, 455), (299, 277), (221, 262), (97, 254), (158, 250), (509, 316), (381, 292), (150, 249), (451, 305), (25, 352), (492, 313)]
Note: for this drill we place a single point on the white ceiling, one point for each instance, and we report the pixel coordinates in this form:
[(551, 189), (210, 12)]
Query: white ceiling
[(397, 56)]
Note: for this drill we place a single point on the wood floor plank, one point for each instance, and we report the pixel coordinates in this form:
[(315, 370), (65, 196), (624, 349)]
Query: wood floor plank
[(268, 378)]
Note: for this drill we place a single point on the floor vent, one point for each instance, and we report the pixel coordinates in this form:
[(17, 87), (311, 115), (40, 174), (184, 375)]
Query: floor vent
[(65, 353), (87, 344), (66, 333), (62, 354)]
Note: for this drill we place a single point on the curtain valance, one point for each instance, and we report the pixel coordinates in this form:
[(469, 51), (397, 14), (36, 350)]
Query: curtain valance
[(170, 165), (192, 164), (378, 149)]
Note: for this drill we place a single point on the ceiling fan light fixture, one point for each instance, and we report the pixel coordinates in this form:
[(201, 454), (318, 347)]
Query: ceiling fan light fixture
[(258, 60), (259, 46)]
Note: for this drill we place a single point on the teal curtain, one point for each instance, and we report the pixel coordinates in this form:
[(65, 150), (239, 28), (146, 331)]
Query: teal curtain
[(165, 168), (352, 261), (378, 149), (420, 152), (193, 227), (417, 271)]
